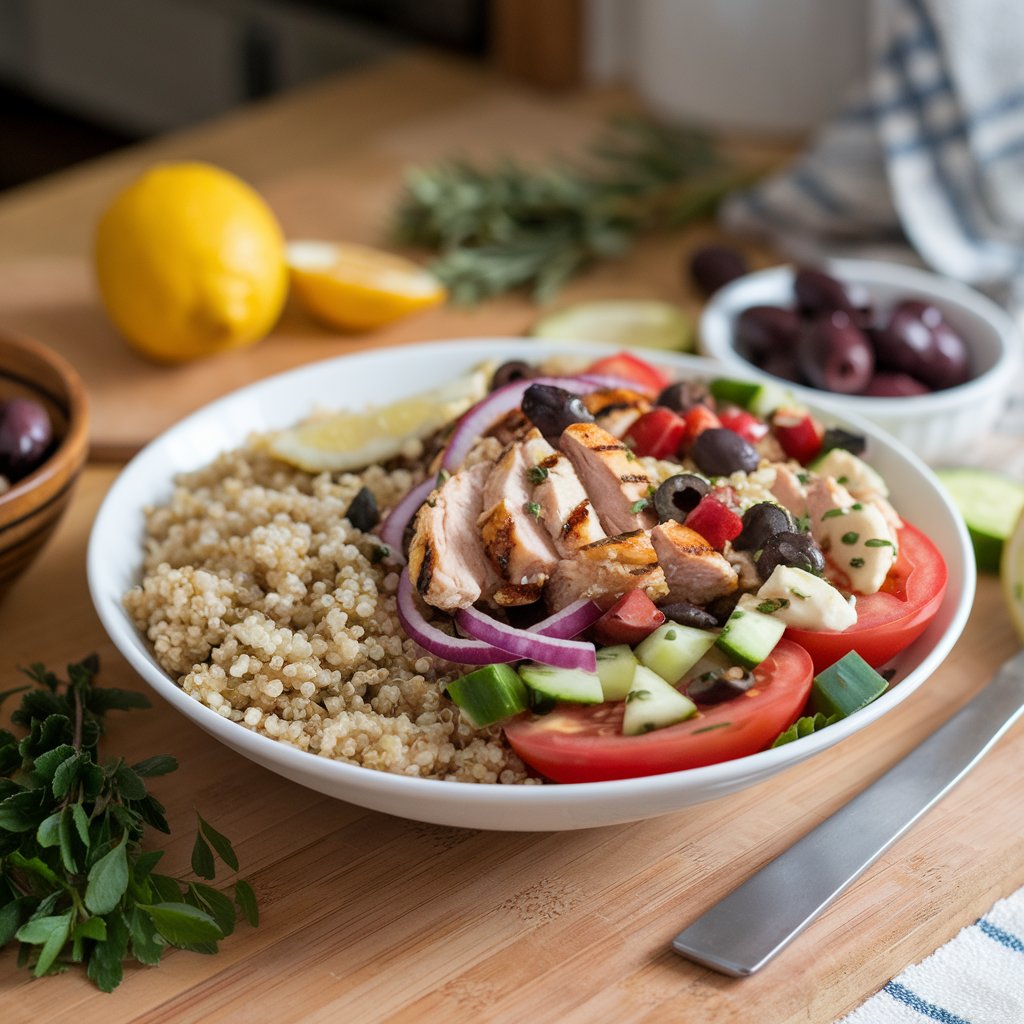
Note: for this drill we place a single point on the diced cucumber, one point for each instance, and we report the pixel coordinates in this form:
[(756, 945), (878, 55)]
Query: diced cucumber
[(749, 635), (488, 695), (569, 684), (762, 399), (615, 668), (847, 686), (653, 704), (672, 650)]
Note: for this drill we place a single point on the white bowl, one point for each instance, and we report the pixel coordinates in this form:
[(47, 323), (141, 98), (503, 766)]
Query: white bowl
[(115, 556), (938, 426)]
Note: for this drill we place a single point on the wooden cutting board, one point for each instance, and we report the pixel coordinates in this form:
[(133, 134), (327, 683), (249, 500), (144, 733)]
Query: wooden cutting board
[(329, 161)]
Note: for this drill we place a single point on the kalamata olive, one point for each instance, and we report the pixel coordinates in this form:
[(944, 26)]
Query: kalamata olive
[(25, 436), (551, 409), (684, 395), (719, 685), (836, 437), (894, 385), (363, 513), (515, 369), (761, 331), (799, 550), (817, 293), (687, 614), (917, 340), (720, 451), (761, 521), (835, 355), (679, 495), (714, 266)]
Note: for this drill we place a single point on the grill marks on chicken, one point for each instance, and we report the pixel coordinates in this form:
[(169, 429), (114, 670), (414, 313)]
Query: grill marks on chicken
[(694, 570)]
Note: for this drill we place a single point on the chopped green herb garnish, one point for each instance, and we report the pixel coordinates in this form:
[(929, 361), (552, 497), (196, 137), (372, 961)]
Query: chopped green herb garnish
[(637, 695), (803, 523), (879, 542), (804, 478), (533, 508), (710, 728), (537, 474), (670, 635), (799, 593), (639, 505), (630, 457), (842, 480), (651, 490), (379, 552), (442, 477), (833, 512), (773, 604), (856, 563), (857, 506), (850, 538)]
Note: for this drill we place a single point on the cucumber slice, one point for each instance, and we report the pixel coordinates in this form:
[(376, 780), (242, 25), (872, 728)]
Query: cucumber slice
[(569, 684), (488, 695), (847, 686), (615, 668), (748, 635), (991, 503), (653, 704), (628, 323), (762, 399), (672, 650)]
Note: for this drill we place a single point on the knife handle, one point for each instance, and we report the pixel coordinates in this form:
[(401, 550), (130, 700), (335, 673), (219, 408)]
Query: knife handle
[(742, 932)]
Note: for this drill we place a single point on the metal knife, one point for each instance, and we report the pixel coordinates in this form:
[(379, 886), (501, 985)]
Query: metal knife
[(742, 932)]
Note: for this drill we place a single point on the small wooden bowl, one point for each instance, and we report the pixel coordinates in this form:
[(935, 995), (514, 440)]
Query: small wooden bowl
[(30, 509)]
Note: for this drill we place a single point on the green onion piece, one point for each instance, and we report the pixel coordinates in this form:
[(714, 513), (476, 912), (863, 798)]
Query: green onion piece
[(847, 686), (490, 694)]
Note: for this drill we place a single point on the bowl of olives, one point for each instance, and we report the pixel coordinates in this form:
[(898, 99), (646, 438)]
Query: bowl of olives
[(43, 446), (927, 358)]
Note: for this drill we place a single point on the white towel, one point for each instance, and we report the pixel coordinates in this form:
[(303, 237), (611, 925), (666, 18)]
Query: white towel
[(976, 978)]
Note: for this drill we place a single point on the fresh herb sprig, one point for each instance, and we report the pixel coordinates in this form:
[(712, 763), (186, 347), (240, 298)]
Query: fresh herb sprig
[(76, 885), (507, 226)]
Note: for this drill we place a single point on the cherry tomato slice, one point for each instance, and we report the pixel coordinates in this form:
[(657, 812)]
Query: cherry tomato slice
[(896, 616), (631, 619), (627, 366), (657, 433), (576, 743)]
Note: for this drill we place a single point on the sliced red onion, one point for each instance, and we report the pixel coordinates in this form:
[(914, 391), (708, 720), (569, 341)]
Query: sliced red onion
[(522, 643), (475, 423), (392, 530), (570, 621), (436, 641)]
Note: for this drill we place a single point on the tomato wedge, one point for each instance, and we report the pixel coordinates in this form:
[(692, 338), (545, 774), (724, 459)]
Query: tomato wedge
[(627, 366), (576, 743), (893, 618)]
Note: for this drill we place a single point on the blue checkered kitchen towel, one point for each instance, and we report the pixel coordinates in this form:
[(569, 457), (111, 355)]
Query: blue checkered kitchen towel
[(925, 164)]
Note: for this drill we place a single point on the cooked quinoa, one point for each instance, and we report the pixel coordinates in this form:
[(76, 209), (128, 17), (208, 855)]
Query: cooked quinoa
[(262, 601)]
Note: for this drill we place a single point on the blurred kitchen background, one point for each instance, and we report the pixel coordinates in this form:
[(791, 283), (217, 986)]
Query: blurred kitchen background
[(79, 78)]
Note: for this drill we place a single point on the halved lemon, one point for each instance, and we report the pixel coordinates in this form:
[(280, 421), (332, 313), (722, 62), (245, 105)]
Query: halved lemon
[(628, 323), (338, 442), (358, 288), (1011, 572)]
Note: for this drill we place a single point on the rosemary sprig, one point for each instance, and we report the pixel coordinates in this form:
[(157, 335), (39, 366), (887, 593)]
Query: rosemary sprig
[(509, 226)]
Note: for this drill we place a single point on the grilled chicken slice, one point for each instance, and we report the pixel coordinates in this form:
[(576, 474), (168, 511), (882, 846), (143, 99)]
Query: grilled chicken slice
[(445, 558), (788, 491), (694, 570), (566, 510), (606, 569), (514, 538), (614, 478), (616, 409)]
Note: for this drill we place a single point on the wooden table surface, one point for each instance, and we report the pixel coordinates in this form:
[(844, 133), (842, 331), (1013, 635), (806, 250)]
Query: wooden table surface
[(372, 918)]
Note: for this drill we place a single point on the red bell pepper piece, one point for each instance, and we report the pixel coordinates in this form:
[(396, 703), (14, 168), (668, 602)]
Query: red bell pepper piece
[(657, 433), (714, 522), (631, 619), (799, 433)]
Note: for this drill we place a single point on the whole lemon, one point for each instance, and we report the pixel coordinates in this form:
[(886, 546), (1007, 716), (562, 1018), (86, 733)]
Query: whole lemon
[(190, 262)]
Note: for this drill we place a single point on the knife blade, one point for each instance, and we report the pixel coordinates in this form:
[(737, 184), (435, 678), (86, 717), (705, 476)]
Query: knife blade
[(743, 931)]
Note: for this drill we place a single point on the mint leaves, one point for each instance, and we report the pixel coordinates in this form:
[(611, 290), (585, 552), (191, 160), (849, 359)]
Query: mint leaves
[(76, 886)]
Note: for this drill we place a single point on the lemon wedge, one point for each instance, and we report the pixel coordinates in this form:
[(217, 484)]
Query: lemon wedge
[(1011, 572), (358, 288), (342, 441), (628, 323)]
